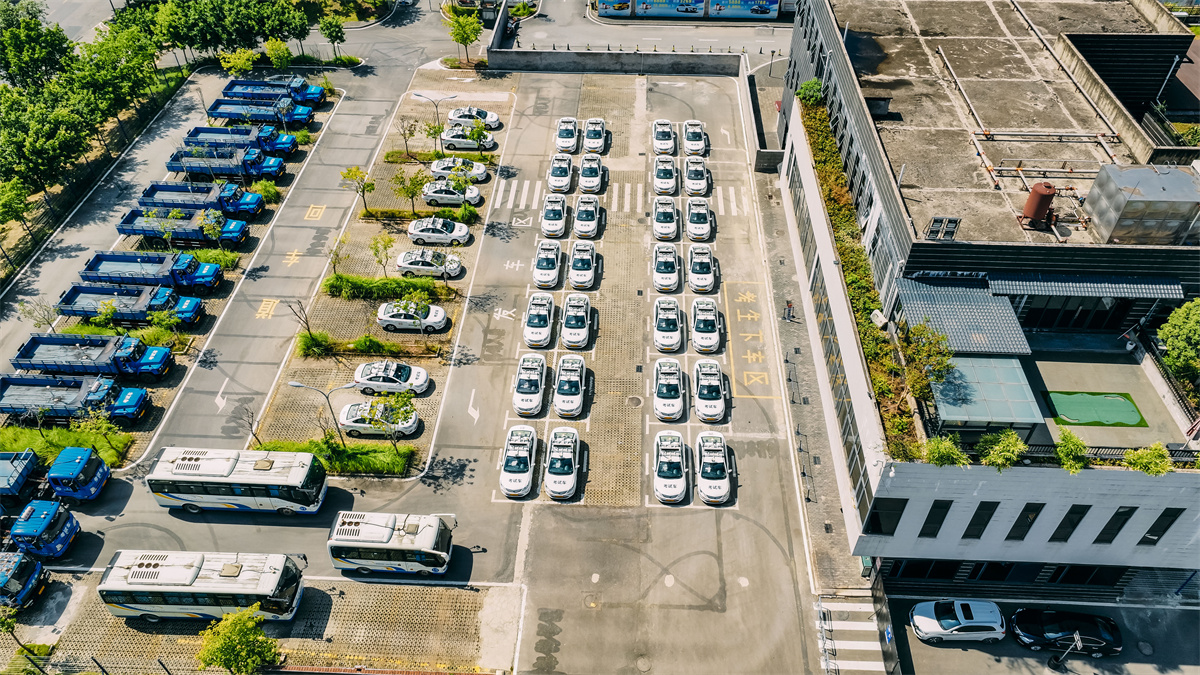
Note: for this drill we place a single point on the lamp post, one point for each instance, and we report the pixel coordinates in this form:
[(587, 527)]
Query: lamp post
[(771, 67), (437, 115), (329, 403)]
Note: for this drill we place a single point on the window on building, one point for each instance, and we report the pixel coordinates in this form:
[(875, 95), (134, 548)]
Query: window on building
[(1113, 527), (884, 516), (1024, 521), (1024, 573), (935, 518), (1086, 575), (979, 521), (943, 570), (1066, 527), (1161, 524)]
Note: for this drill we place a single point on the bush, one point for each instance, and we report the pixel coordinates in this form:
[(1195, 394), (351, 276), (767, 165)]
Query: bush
[(155, 336), (88, 329), (267, 189), (811, 92), (57, 438), (344, 60), (945, 451), (521, 10), (303, 137), (397, 214), (1154, 460), (355, 458), (444, 213), (1071, 452), (351, 287), (1001, 450), (402, 157), (467, 214), (228, 260), (369, 344), (317, 343)]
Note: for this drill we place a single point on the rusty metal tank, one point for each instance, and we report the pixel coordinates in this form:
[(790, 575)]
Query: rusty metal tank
[(1041, 196)]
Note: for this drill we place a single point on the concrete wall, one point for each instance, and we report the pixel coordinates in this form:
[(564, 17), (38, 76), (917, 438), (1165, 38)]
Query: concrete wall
[(1102, 488), (602, 61), (1158, 16)]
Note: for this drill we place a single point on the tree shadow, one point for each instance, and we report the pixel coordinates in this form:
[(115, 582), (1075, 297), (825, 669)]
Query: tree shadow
[(448, 472), (460, 356), (257, 272), (505, 232), (483, 302)]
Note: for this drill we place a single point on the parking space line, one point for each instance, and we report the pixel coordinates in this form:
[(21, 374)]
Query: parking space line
[(498, 193), (733, 202), (641, 204), (512, 193), (745, 201), (720, 202), (537, 195), (628, 188), (524, 193)]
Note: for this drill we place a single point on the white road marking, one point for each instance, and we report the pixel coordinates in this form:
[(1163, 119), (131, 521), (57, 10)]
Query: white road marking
[(222, 400), (471, 409), (728, 138), (537, 195), (843, 665), (524, 193), (628, 187), (856, 645), (720, 202), (669, 580), (745, 201), (595, 578), (512, 193), (640, 200), (853, 625), (732, 201), (647, 464), (836, 606)]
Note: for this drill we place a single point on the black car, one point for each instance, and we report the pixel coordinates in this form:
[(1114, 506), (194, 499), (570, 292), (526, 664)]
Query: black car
[(760, 9), (1053, 630)]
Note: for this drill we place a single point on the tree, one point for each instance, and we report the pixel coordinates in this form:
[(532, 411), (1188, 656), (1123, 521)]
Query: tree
[(1001, 450), (1154, 460), (459, 179), (13, 12), (95, 422), (8, 624), (31, 53), (358, 180), (238, 62), (409, 186), (945, 451), (1071, 452), (433, 130), (39, 141), (811, 92), (394, 409), (465, 30), (407, 127), (477, 133), (381, 249), (297, 26), (278, 52), (1181, 335), (238, 644), (167, 319), (115, 68), (337, 252), (332, 30), (212, 224), (104, 314), (39, 312), (14, 203), (927, 358)]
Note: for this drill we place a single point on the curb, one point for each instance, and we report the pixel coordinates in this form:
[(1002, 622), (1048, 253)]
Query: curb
[(395, 5)]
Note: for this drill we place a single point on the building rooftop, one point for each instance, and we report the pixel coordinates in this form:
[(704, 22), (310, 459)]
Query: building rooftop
[(984, 391), (973, 320)]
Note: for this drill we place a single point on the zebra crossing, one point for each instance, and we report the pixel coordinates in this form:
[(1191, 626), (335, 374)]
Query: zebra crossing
[(518, 195), (848, 635)]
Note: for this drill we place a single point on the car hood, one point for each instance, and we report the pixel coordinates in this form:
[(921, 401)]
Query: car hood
[(709, 408), (544, 274), (667, 338), (704, 338), (672, 488), (418, 377), (526, 401), (925, 624), (436, 314), (560, 484), (668, 405), (713, 489), (533, 332), (515, 482)]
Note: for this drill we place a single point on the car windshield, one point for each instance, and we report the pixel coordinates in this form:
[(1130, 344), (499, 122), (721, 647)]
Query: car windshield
[(538, 320), (712, 470), (560, 169), (516, 464), (701, 267), (665, 266), (945, 615), (568, 387), (575, 321), (528, 385), (560, 466), (589, 170), (706, 325), (437, 258), (670, 469), (694, 134), (709, 392), (668, 390), (585, 214), (403, 373), (695, 173), (554, 213), (662, 134), (446, 226), (668, 324), (664, 216), (546, 263), (664, 172), (423, 312), (481, 114), (566, 132), (698, 216), (581, 263), (594, 132)]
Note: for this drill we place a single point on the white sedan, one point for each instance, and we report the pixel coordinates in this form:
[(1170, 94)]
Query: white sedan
[(669, 397), (438, 231), (572, 379), (441, 192), (562, 463), (666, 220), (520, 456), (567, 137), (706, 326), (530, 385), (695, 176), (539, 320), (713, 482), (587, 216), (558, 176), (693, 137), (546, 264), (467, 115), (665, 273), (576, 329), (554, 215), (699, 219), (591, 173), (663, 137), (702, 275), (664, 178), (407, 315), (375, 419), (583, 265), (709, 385), (668, 328), (447, 166), (458, 137), (670, 467), (387, 377), (425, 263), (594, 135)]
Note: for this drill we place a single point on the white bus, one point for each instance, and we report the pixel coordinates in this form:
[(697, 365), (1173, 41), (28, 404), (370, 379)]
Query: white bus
[(238, 480), (391, 542), (155, 585)]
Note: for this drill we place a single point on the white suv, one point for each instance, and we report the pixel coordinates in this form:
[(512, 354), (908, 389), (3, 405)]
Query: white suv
[(965, 620)]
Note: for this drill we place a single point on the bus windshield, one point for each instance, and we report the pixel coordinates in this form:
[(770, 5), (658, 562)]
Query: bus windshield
[(314, 480), (280, 601)]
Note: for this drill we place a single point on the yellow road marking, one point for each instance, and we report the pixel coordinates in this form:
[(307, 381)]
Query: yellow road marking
[(267, 309), (315, 212), (292, 258)]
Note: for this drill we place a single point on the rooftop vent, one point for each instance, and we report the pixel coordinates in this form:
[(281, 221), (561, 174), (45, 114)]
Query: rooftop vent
[(942, 227), (231, 569)]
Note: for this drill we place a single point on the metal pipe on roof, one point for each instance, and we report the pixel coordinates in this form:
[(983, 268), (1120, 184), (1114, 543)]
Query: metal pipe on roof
[(1042, 134), (1111, 155), (960, 89)]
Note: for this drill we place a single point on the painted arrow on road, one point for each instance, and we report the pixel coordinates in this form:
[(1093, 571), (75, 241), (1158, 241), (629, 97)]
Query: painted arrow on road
[(221, 400), (471, 409)]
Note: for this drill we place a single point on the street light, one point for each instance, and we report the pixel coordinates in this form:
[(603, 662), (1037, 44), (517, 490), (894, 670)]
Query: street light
[(437, 115), (771, 67), (329, 403)]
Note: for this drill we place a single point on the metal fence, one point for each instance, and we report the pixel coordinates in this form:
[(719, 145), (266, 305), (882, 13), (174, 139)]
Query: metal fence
[(1181, 397)]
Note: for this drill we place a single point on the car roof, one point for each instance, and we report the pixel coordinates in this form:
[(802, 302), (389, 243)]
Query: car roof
[(978, 612), (547, 246), (576, 300)]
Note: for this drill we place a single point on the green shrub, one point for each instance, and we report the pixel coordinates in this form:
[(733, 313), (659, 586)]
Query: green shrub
[(344, 61), (467, 214), (396, 214), (267, 189), (1154, 460), (369, 344), (317, 343), (57, 438), (444, 213), (228, 260), (303, 137), (1000, 450), (155, 336), (88, 329), (945, 451), (1071, 452), (811, 92), (521, 10), (402, 157), (354, 458), (351, 287)]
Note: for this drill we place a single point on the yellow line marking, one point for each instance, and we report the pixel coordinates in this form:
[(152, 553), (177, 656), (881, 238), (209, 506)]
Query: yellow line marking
[(267, 309), (292, 258), (315, 212)]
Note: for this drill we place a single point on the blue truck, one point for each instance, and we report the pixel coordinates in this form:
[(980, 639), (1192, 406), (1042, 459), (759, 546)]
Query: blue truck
[(17, 482), (225, 161), (45, 528), (153, 227), (293, 87), (22, 579), (66, 354), (265, 138), (78, 475), (132, 304), (227, 198), (282, 110), (181, 270), (58, 400)]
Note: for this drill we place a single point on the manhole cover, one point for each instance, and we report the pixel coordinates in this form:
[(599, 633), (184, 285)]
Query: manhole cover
[(1145, 648), (634, 401), (643, 664), (591, 601)]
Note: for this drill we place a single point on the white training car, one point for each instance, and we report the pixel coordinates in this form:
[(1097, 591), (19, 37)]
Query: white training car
[(665, 274), (558, 176), (666, 220), (530, 385), (520, 455), (591, 173), (668, 326), (446, 166), (425, 263), (663, 137), (587, 216), (572, 380), (408, 315), (467, 115), (546, 264), (441, 192), (713, 482), (702, 273), (670, 467), (376, 419), (695, 176), (458, 137), (706, 326), (669, 396), (664, 178), (567, 137), (539, 320), (576, 329), (593, 135), (583, 265), (438, 231), (699, 219), (709, 384), (388, 377), (554, 215), (693, 137), (562, 463)]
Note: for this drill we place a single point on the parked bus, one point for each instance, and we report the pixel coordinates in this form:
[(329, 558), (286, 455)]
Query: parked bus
[(194, 480), (22, 579), (391, 542), (156, 585)]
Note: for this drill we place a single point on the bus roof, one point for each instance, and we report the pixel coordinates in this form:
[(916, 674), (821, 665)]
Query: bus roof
[(167, 571), (391, 529), (69, 463), (232, 466), (35, 518)]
